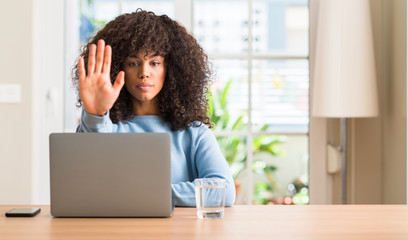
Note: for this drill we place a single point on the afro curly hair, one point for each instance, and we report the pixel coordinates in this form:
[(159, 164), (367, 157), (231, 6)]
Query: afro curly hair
[(183, 98)]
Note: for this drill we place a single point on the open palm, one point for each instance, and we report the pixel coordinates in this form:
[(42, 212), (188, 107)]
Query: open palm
[(95, 88)]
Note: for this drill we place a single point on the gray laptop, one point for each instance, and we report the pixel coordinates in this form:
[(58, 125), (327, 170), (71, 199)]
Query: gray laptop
[(110, 174)]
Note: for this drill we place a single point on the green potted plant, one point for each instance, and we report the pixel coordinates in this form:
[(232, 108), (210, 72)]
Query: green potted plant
[(234, 147)]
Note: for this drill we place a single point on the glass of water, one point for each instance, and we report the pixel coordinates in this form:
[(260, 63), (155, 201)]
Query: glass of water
[(210, 197)]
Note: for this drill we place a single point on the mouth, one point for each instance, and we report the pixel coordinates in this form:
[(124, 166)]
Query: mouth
[(144, 86)]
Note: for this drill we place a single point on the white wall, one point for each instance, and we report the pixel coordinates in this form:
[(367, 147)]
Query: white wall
[(16, 118), (32, 47), (379, 161), (394, 127)]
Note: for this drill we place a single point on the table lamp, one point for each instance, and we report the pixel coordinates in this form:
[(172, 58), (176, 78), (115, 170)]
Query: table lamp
[(344, 84)]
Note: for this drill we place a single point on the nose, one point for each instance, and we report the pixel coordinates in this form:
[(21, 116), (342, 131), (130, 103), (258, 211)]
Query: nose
[(144, 72), (144, 75)]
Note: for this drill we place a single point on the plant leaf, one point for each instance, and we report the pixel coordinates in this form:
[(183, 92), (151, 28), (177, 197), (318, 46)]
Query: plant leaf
[(223, 100)]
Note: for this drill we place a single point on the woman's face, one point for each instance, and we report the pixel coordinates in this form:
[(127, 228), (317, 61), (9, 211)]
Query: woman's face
[(144, 76)]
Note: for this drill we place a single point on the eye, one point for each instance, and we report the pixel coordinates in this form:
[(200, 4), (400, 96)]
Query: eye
[(132, 64), (155, 63)]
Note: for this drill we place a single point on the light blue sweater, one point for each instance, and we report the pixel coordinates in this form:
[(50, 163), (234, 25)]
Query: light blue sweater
[(194, 153)]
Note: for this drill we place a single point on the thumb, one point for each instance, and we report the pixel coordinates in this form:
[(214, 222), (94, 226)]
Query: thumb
[(119, 82)]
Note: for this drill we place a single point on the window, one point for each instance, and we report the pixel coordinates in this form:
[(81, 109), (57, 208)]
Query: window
[(259, 50)]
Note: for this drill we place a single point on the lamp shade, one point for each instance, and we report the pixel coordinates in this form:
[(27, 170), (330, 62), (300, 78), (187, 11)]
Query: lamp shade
[(344, 83)]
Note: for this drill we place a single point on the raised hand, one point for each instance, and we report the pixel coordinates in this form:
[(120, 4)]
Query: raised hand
[(95, 88)]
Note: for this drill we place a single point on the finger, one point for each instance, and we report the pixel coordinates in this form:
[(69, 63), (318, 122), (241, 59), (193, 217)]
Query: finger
[(81, 69), (91, 59), (107, 60), (99, 55), (119, 82)]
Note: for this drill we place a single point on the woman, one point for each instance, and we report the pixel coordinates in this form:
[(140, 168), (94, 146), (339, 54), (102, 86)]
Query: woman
[(146, 73)]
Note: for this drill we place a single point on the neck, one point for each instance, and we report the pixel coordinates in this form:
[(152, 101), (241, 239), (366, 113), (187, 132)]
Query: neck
[(145, 108)]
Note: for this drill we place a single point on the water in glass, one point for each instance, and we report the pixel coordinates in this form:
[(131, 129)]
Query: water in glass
[(210, 200)]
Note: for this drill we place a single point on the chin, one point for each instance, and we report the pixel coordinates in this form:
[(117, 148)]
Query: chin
[(144, 98)]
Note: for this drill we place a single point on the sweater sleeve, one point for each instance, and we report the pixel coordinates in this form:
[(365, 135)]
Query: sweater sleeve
[(95, 124), (210, 163)]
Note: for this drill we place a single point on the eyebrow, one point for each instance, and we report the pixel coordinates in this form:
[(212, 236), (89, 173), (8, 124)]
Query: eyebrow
[(148, 56)]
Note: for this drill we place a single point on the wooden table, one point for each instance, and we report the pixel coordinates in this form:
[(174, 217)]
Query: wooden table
[(240, 222)]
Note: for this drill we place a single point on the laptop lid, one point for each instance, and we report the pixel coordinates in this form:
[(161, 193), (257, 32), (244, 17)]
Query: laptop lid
[(110, 174)]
